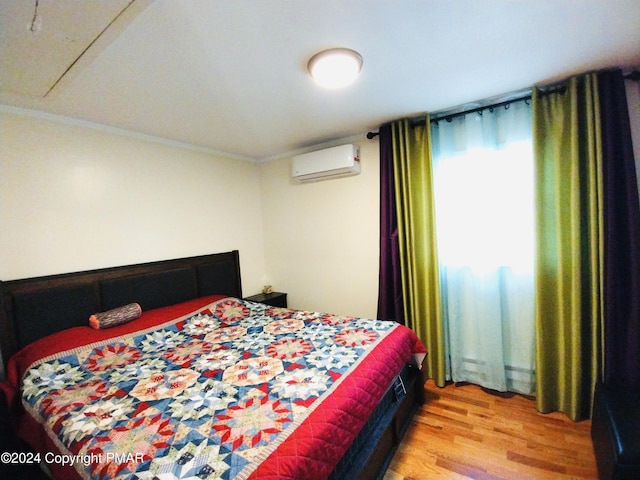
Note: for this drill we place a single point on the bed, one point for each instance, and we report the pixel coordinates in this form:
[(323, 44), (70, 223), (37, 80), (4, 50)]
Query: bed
[(200, 383)]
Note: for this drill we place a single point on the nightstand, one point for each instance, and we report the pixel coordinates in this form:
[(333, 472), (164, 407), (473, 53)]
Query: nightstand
[(275, 299)]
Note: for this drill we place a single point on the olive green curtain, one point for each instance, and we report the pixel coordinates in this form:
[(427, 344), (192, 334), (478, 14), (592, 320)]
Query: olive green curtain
[(413, 173), (568, 266)]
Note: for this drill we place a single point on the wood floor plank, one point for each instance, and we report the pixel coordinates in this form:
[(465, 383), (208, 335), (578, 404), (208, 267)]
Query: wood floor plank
[(466, 432)]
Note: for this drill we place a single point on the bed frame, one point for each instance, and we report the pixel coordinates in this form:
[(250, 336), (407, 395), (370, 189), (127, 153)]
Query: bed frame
[(36, 307)]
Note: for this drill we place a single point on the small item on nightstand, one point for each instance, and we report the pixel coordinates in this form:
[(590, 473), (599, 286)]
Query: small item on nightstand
[(267, 289)]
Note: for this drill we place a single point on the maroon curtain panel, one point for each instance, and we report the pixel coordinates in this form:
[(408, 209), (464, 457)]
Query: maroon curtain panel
[(390, 305), (621, 215)]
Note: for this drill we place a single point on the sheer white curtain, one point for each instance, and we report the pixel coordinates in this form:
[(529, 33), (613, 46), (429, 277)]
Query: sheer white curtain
[(483, 180)]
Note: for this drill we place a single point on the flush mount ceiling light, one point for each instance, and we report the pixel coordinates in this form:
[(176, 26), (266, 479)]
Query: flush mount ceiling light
[(335, 68)]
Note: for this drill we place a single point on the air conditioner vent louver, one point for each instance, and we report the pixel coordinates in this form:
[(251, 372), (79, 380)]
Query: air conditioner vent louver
[(341, 161)]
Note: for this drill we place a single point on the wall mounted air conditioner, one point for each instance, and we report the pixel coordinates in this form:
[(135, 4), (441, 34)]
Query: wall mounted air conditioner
[(331, 162)]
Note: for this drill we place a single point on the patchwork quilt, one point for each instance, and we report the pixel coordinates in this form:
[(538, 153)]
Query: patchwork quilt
[(234, 389)]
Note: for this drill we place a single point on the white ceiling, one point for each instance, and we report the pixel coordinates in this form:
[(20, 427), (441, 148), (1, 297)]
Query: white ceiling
[(229, 76)]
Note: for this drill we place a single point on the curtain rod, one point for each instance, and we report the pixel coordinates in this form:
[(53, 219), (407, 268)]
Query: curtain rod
[(488, 104), (495, 103), (634, 75)]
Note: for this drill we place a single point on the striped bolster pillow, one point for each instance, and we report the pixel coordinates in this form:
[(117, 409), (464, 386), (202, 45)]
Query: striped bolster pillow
[(114, 317)]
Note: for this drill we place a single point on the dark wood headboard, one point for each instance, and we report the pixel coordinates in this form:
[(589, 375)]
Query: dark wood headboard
[(35, 307)]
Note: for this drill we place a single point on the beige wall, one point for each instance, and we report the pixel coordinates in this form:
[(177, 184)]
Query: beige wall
[(75, 198), (321, 238)]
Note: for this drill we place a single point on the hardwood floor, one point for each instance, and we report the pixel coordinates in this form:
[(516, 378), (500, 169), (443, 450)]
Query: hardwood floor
[(464, 431)]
